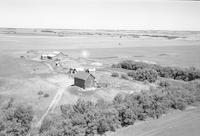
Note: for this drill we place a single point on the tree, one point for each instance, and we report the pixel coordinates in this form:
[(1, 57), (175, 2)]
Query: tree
[(16, 120)]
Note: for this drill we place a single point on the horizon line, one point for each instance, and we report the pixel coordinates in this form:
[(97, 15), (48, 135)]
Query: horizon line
[(95, 29)]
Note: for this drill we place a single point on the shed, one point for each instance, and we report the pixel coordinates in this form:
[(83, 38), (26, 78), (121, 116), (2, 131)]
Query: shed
[(84, 80)]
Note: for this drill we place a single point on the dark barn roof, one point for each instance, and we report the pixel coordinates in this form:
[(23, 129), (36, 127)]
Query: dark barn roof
[(82, 75)]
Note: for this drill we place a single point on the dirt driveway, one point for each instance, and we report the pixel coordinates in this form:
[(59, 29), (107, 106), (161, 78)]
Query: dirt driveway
[(62, 84)]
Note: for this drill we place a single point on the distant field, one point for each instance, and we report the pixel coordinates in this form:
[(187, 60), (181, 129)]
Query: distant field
[(12, 38), (180, 48), (183, 56)]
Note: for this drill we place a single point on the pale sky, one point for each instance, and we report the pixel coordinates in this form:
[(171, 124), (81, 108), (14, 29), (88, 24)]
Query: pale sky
[(101, 14)]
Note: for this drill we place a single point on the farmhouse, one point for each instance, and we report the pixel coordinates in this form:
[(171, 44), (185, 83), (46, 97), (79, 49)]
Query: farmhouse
[(84, 80)]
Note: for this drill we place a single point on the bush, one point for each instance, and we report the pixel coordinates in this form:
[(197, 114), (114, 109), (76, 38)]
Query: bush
[(126, 115), (46, 95), (115, 74), (179, 104), (144, 74), (40, 93), (164, 84)]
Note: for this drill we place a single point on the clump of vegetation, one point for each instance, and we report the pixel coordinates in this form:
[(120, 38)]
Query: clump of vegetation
[(131, 65), (186, 74), (40, 93), (115, 74), (149, 75), (164, 84), (15, 120), (22, 57), (46, 95)]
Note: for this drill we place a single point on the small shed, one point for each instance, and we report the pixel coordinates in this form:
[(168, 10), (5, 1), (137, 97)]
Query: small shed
[(84, 80)]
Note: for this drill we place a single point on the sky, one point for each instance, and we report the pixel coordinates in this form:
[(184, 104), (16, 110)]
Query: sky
[(101, 14)]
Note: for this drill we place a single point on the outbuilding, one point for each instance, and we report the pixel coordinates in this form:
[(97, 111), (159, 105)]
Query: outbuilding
[(52, 55), (84, 80)]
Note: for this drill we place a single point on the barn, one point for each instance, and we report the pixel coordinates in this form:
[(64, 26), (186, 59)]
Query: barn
[(84, 80)]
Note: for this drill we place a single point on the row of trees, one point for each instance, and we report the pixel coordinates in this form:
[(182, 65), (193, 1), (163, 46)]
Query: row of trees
[(186, 74), (88, 118)]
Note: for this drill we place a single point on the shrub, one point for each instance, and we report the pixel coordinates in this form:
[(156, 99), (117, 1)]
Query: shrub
[(179, 104), (46, 95), (164, 84), (126, 115), (115, 74), (40, 93), (108, 120)]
